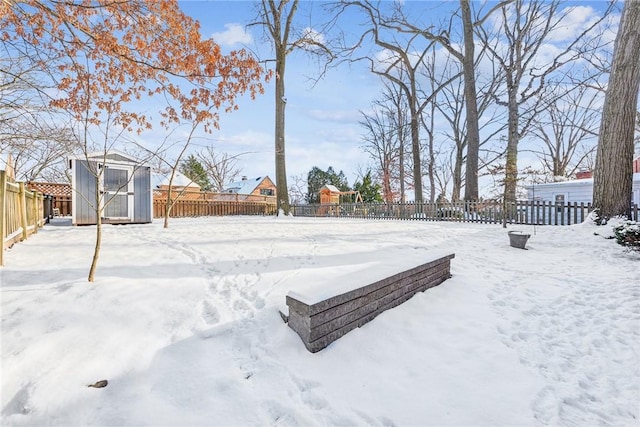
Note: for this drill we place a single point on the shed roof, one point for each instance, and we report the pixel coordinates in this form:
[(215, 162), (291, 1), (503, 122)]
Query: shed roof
[(331, 188), (113, 155)]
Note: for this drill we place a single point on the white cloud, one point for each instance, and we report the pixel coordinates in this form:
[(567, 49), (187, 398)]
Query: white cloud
[(574, 21), (233, 34), (344, 116), (313, 35)]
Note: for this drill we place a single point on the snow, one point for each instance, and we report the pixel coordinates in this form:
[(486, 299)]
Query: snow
[(184, 324)]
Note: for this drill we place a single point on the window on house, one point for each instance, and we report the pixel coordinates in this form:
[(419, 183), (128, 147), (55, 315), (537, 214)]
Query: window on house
[(266, 192), (559, 202)]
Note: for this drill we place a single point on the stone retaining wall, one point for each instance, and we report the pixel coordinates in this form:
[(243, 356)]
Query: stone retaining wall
[(322, 323)]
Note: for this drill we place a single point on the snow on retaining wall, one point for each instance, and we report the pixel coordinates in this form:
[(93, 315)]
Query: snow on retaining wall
[(321, 323)]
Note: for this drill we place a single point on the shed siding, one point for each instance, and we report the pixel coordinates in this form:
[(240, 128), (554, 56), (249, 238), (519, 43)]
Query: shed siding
[(85, 193), (142, 195)]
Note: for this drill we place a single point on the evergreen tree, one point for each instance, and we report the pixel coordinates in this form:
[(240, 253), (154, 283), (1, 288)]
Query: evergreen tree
[(318, 178), (193, 169), (369, 191)]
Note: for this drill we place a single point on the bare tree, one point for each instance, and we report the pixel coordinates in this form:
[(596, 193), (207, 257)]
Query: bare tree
[(405, 58), (567, 128), (451, 106), (102, 56), (297, 190), (428, 123), (464, 52), (38, 138), (400, 122), (612, 180), (471, 105), (524, 28), (277, 19), (381, 144), (221, 167)]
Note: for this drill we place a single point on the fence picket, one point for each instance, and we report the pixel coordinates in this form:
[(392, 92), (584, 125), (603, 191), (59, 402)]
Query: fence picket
[(21, 212)]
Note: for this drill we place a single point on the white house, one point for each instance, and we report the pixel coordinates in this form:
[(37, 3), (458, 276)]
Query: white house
[(578, 190)]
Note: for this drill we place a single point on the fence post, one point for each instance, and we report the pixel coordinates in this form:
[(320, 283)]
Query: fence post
[(23, 210), (36, 219), (3, 208)]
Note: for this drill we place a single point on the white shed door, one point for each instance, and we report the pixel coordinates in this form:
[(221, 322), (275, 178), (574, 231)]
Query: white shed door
[(118, 192)]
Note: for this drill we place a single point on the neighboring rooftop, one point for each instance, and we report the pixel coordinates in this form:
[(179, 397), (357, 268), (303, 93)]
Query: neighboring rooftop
[(179, 180), (244, 186)]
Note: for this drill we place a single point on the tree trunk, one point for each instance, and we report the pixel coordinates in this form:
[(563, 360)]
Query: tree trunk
[(471, 104), (457, 174), (386, 179), (281, 168), (403, 198), (415, 150), (511, 165), (167, 208), (613, 175), (99, 210), (401, 153)]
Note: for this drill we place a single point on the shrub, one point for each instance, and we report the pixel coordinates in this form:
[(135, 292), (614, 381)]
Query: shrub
[(627, 233)]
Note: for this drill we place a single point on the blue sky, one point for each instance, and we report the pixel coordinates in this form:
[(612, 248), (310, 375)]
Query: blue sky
[(322, 126), (321, 121)]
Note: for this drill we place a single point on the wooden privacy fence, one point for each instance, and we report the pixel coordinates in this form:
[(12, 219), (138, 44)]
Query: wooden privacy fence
[(62, 203), (21, 212), (57, 196), (192, 208), (522, 212)]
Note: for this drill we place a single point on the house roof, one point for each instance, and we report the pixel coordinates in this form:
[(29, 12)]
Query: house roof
[(573, 183), (245, 186), (179, 180)]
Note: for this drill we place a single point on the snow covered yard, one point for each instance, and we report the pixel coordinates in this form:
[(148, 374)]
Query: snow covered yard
[(184, 325)]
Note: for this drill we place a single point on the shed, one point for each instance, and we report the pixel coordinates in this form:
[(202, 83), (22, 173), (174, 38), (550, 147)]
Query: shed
[(329, 194), (116, 182), (573, 191), (252, 189)]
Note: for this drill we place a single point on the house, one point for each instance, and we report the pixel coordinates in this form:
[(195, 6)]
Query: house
[(182, 187), (179, 183), (250, 189), (114, 182), (579, 190)]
